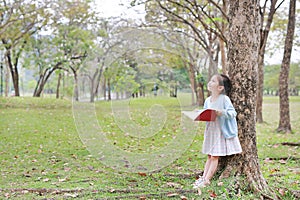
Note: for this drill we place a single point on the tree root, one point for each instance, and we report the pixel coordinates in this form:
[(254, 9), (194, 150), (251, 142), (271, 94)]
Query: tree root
[(253, 180)]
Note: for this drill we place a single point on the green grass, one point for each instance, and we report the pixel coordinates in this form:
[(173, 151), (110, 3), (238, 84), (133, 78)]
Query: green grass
[(42, 155)]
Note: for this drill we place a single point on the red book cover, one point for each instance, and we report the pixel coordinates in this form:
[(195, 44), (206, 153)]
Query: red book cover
[(202, 115), (207, 115)]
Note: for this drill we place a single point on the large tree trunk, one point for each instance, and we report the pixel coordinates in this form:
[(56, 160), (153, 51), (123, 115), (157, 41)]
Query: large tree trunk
[(284, 121), (243, 47)]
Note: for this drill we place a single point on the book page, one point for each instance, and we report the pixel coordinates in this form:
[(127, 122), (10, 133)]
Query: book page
[(192, 114)]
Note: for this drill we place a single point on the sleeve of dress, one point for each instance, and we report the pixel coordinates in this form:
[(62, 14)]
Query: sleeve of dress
[(228, 121), (228, 110)]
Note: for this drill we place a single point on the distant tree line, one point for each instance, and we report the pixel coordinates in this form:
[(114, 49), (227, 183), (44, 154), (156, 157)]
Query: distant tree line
[(271, 80)]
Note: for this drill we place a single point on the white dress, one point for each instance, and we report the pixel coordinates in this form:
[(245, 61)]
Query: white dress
[(215, 143)]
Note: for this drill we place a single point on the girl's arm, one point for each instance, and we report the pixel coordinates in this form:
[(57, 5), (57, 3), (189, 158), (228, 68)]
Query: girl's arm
[(228, 110)]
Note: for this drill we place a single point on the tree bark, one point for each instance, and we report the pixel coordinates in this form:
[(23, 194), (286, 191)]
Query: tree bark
[(109, 89), (94, 84), (44, 77), (260, 87), (104, 88), (191, 72), (284, 121), (221, 41), (58, 85), (97, 88), (200, 94), (6, 91), (243, 49), (76, 90), (223, 57), (13, 70), (264, 33)]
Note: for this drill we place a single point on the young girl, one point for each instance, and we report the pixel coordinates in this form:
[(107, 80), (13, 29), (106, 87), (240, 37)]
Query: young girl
[(220, 136)]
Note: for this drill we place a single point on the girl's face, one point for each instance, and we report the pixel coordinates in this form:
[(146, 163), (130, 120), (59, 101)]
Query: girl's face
[(214, 86)]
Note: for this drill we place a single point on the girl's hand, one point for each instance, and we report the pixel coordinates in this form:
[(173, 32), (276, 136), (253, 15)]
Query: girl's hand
[(219, 112)]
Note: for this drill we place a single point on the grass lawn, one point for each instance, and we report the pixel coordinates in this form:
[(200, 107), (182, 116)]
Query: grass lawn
[(43, 156)]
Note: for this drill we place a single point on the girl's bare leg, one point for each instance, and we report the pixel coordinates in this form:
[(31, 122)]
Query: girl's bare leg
[(207, 166), (212, 168)]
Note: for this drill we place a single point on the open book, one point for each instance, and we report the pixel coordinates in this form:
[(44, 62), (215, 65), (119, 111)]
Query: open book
[(201, 115)]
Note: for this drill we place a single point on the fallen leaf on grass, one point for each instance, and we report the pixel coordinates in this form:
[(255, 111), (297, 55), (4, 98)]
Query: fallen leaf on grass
[(142, 174), (172, 195), (281, 191), (174, 185), (183, 198), (46, 180), (71, 195), (220, 184), (67, 169), (268, 160), (274, 170), (282, 161), (27, 175), (25, 191), (62, 180), (213, 195), (112, 190)]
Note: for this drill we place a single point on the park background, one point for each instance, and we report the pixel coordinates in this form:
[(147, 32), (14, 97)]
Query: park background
[(63, 52)]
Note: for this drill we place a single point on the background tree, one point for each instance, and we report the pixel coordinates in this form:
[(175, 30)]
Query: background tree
[(294, 79), (19, 20), (67, 44), (284, 121), (265, 26), (271, 80), (192, 58), (203, 21), (42, 56)]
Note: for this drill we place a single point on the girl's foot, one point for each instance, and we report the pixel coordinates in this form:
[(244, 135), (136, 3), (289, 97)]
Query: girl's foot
[(199, 183)]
